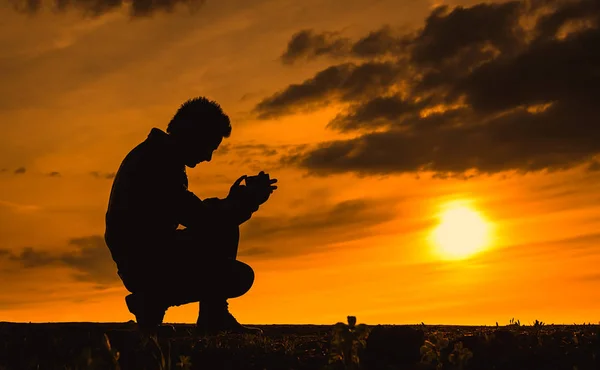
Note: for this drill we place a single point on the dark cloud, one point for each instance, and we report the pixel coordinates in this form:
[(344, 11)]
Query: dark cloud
[(20, 170), (474, 90), (564, 72), (519, 141), (253, 157), (90, 260), (307, 44), (594, 166), (103, 175), (581, 12), (448, 32), (30, 258), (224, 148), (345, 82), (384, 41), (96, 8), (592, 278), (379, 112), (54, 174), (257, 149)]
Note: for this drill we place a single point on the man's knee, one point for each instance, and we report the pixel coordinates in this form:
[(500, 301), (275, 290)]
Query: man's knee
[(246, 277), (234, 280)]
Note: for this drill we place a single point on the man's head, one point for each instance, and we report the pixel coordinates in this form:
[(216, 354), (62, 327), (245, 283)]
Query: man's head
[(198, 128)]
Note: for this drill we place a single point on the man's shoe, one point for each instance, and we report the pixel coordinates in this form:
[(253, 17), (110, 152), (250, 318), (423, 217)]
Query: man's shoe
[(149, 313), (215, 318)]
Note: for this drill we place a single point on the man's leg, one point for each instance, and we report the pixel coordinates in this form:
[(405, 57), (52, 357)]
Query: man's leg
[(197, 266), (211, 284), (231, 282), (211, 276), (209, 243), (219, 280)]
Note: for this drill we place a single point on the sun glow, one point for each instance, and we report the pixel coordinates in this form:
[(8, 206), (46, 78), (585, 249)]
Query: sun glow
[(461, 233)]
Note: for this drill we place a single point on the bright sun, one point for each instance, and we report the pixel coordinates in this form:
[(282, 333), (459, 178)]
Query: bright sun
[(461, 233)]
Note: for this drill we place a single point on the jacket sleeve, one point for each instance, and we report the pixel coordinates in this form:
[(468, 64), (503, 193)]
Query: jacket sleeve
[(193, 211), (238, 213), (171, 185)]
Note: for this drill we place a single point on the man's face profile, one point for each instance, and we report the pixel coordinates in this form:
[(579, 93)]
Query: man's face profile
[(199, 147)]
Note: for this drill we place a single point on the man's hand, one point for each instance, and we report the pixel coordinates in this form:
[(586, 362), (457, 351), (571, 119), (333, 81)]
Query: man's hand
[(240, 197), (236, 190), (261, 187)]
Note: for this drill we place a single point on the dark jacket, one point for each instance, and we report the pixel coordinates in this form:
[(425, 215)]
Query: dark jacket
[(150, 199)]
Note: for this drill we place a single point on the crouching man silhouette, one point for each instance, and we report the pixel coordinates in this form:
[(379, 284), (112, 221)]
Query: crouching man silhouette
[(161, 264)]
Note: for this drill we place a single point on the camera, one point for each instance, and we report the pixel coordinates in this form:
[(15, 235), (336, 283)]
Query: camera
[(257, 179)]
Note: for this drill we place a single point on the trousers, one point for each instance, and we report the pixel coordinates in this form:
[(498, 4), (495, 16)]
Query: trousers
[(195, 264)]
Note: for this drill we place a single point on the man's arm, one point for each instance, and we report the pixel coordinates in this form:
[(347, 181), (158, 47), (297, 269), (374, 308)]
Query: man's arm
[(194, 211), (240, 213), (189, 210)]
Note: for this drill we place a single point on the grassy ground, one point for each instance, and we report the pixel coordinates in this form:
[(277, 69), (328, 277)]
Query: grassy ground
[(343, 346)]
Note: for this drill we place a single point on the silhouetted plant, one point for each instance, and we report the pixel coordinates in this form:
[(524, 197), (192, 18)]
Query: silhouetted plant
[(185, 362), (515, 323), (431, 350), (347, 341), (152, 352), (460, 356), (65, 347), (113, 353)]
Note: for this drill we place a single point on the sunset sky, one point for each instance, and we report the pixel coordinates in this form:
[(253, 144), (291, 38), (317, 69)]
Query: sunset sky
[(376, 116)]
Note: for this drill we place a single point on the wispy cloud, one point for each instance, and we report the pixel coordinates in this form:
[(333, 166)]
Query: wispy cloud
[(96, 8), (90, 260), (303, 232), (18, 207), (103, 175)]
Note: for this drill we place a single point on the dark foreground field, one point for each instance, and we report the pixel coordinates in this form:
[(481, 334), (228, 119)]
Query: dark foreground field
[(118, 346)]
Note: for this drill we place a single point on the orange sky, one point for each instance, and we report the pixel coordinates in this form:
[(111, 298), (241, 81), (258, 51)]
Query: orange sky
[(78, 93)]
